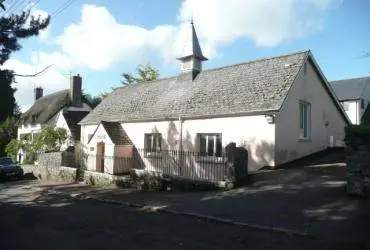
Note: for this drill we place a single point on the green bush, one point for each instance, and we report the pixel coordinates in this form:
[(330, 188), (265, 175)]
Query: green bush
[(30, 157), (50, 139), (12, 149)]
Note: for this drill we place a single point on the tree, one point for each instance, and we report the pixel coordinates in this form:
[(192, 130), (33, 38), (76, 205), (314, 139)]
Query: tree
[(93, 101), (12, 149), (8, 130), (90, 100), (13, 28), (2, 4), (145, 73), (49, 139)]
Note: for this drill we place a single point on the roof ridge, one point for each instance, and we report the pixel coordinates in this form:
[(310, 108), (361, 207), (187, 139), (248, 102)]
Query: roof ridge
[(347, 79), (259, 59), (54, 93), (222, 67), (143, 83)]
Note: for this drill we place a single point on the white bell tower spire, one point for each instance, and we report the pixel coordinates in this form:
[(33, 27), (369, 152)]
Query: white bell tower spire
[(192, 56)]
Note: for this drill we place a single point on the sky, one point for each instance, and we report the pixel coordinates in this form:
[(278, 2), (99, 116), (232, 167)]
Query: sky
[(101, 39)]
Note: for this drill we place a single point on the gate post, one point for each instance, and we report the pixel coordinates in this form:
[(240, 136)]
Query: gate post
[(236, 165)]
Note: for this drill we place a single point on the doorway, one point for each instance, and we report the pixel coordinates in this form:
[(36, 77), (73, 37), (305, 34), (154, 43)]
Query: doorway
[(100, 148)]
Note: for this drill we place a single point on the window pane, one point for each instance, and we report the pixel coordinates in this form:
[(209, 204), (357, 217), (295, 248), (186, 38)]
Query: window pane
[(304, 121), (211, 145), (148, 142), (308, 118), (202, 144), (154, 143), (218, 146), (301, 119), (159, 138)]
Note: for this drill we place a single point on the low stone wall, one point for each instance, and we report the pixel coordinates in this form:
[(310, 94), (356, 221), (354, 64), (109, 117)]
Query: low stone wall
[(358, 161), (103, 179), (50, 159), (64, 174)]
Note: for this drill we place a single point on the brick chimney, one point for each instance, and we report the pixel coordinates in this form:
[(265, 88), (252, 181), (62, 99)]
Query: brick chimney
[(39, 92), (75, 91)]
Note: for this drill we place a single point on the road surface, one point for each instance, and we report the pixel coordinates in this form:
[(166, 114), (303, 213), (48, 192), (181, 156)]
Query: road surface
[(33, 217)]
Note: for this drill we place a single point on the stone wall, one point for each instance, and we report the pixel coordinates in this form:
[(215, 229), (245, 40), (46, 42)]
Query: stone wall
[(50, 159), (358, 160), (57, 159), (103, 179), (64, 174)]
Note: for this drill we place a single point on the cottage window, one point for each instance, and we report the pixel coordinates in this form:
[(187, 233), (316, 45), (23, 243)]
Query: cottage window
[(210, 144), (153, 142), (305, 120)]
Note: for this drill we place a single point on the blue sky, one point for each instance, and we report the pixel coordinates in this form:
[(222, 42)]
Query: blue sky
[(101, 39)]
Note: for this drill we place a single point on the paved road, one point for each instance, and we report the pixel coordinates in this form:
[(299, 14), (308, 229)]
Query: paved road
[(310, 200), (33, 217)]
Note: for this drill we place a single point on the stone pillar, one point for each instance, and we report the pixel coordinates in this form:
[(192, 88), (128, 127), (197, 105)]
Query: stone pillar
[(237, 164), (358, 160)]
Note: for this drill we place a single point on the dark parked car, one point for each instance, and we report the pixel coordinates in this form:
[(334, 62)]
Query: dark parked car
[(8, 169)]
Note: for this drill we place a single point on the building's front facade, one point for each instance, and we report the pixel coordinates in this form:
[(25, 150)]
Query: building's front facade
[(278, 109), (62, 109)]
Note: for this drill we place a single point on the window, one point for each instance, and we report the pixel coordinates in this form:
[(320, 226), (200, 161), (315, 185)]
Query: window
[(345, 106), (210, 145), (305, 120), (153, 142)]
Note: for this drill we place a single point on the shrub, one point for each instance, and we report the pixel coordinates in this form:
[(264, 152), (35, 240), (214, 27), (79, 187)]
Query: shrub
[(50, 139), (12, 149), (30, 157)]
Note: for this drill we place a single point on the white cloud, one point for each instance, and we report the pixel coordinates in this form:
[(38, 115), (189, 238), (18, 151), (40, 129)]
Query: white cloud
[(44, 34), (52, 80), (98, 41), (266, 22)]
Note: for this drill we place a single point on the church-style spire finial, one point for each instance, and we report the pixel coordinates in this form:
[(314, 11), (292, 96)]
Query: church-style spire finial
[(192, 56)]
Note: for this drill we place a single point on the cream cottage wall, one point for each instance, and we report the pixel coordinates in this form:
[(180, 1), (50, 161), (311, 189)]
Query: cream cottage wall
[(326, 126), (252, 132)]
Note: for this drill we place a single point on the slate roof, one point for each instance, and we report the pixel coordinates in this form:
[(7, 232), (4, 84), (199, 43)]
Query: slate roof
[(253, 87), (46, 107), (116, 133), (73, 118), (350, 89)]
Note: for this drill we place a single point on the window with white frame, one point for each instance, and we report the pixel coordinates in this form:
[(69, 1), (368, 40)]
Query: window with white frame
[(153, 142), (305, 120), (210, 144)]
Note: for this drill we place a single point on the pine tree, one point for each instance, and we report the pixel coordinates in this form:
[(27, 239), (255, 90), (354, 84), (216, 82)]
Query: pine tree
[(13, 29)]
